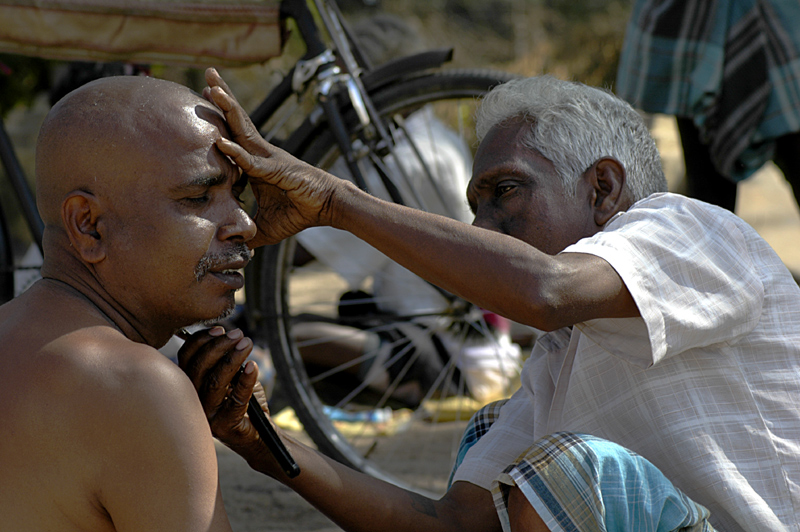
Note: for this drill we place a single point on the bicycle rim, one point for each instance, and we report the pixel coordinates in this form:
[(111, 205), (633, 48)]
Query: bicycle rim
[(408, 439)]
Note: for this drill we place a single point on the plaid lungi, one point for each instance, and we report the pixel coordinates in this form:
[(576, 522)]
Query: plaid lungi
[(733, 66), (581, 483)]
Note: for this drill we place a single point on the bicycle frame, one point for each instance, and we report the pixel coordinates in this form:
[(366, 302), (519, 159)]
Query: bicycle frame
[(25, 197), (344, 79)]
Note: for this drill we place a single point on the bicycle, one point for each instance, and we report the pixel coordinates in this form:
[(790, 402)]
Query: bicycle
[(356, 117)]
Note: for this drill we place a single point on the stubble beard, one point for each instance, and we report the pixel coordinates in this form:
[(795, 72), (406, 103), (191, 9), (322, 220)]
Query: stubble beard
[(210, 261)]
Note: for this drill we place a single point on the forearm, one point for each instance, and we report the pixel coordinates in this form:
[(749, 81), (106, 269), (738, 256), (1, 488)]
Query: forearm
[(494, 271), (358, 502)]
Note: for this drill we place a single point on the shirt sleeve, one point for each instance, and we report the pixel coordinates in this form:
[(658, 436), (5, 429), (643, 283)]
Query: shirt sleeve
[(508, 437), (688, 268)]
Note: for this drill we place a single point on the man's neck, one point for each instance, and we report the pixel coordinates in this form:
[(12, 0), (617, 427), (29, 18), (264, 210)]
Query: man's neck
[(68, 273)]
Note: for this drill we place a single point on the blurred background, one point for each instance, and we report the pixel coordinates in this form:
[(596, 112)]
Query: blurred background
[(570, 39)]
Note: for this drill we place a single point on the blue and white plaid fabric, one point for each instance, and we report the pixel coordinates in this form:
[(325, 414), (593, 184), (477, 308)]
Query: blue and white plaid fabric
[(731, 65), (579, 483), (479, 425)]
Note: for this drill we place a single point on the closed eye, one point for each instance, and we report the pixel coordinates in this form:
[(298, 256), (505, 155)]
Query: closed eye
[(199, 200)]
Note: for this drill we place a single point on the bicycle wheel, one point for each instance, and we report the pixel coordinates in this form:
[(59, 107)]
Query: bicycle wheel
[(423, 360)]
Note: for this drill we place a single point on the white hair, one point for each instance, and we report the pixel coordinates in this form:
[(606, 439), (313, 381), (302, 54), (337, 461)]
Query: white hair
[(573, 126)]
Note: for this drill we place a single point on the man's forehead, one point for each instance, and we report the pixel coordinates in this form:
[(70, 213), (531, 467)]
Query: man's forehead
[(505, 150)]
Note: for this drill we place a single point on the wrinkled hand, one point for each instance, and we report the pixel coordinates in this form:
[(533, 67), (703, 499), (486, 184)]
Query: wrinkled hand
[(213, 362), (291, 195)]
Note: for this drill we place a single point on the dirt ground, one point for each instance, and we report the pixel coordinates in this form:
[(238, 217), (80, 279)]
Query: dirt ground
[(257, 503)]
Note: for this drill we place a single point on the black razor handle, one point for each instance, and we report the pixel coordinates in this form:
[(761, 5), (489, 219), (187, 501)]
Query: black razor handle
[(270, 437)]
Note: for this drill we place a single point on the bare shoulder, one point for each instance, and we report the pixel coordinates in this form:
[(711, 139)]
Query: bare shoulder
[(129, 391), (111, 430), (101, 370), (95, 385)]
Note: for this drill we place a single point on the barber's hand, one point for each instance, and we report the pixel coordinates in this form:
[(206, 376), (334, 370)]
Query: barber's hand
[(213, 361), (291, 194)]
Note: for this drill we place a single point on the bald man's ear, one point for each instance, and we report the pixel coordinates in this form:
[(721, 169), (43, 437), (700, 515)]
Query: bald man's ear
[(607, 178), (80, 213)]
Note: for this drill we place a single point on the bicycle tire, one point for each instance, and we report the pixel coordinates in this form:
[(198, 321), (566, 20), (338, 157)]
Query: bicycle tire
[(274, 311)]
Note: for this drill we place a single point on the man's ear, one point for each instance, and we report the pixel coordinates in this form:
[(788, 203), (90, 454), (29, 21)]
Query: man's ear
[(607, 178), (80, 213)]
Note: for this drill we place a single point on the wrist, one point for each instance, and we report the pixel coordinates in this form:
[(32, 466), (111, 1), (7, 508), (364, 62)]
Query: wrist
[(343, 201)]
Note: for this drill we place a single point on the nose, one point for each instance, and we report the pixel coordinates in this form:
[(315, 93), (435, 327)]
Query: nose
[(238, 227), (484, 220)]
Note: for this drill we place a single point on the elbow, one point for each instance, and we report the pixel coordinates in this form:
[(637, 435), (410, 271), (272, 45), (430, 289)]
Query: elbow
[(541, 308), (551, 303)]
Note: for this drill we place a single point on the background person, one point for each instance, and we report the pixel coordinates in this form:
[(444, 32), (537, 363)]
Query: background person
[(728, 70)]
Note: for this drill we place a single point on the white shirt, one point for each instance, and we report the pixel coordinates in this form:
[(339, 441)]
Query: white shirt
[(706, 384)]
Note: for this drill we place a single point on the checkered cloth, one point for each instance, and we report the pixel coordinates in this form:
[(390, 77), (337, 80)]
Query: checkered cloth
[(479, 425), (731, 65), (584, 484)]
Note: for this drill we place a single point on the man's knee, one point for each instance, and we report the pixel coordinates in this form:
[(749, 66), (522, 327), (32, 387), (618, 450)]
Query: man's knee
[(521, 515)]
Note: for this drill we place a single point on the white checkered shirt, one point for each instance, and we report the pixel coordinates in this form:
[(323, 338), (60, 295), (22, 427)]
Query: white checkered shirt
[(706, 384)]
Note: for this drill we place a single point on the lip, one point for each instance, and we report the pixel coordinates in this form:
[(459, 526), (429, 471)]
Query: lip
[(229, 273), (233, 279)]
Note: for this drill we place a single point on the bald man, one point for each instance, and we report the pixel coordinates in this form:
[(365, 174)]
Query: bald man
[(144, 234)]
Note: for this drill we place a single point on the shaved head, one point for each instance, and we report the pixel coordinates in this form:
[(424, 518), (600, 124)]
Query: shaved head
[(141, 208), (95, 138)]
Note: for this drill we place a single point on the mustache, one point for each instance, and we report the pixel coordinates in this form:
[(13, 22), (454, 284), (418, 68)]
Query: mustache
[(212, 261)]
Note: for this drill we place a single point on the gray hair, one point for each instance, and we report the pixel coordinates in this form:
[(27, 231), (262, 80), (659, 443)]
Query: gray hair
[(573, 126)]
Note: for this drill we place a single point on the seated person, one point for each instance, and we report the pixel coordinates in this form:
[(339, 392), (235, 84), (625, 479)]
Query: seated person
[(663, 397), (143, 235), (483, 353), (405, 356)]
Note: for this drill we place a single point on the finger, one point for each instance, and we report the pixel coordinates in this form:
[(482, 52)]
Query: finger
[(214, 79), (230, 416), (216, 385), (261, 395), (244, 384), (222, 99), (214, 364), (244, 159), (193, 342), (207, 96), (241, 127)]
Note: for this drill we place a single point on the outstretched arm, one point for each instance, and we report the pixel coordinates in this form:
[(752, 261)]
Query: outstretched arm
[(355, 501), (494, 271)]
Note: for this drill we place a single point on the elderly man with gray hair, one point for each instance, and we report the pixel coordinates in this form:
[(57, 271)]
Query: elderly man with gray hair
[(663, 396)]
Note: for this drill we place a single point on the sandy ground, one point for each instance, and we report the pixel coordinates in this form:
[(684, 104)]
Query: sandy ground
[(256, 503)]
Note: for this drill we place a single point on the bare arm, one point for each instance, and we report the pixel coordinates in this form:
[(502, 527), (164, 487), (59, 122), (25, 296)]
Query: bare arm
[(494, 271), (353, 500)]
